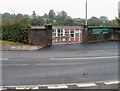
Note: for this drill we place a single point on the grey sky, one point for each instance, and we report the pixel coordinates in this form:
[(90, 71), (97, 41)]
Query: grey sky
[(74, 8)]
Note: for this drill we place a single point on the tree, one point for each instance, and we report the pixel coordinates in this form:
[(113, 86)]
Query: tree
[(18, 17), (69, 22), (104, 19), (113, 23), (15, 28), (26, 16), (94, 21), (37, 21), (49, 21), (8, 19), (0, 26), (52, 14), (62, 14), (118, 21), (33, 14), (45, 16), (6, 15)]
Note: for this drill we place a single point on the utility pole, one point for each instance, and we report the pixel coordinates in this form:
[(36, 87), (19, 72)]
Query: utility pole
[(86, 13)]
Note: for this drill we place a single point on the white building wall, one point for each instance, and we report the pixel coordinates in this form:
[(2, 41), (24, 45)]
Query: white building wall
[(63, 34), (56, 33), (69, 35)]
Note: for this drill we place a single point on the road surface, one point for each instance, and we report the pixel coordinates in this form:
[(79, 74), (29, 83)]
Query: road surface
[(59, 64)]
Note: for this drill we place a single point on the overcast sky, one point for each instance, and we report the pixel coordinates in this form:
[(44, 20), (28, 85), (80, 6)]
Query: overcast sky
[(74, 8)]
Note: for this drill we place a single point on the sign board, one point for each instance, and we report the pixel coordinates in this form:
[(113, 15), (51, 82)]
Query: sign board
[(100, 31)]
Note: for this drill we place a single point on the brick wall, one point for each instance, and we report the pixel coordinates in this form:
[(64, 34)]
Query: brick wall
[(88, 36), (40, 36)]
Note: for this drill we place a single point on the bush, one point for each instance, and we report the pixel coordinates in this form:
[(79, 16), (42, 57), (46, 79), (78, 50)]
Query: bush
[(17, 32)]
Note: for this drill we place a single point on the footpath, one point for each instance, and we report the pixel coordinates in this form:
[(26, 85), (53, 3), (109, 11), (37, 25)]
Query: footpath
[(19, 47)]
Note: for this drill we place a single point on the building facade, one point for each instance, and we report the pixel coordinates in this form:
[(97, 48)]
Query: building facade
[(67, 33)]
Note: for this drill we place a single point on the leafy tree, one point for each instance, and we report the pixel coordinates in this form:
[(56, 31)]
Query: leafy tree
[(37, 21), (118, 21), (94, 21), (49, 21), (113, 23), (52, 14), (33, 14), (15, 28), (45, 16), (104, 19), (41, 21), (62, 14), (26, 16), (0, 26), (6, 15), (69, 22)]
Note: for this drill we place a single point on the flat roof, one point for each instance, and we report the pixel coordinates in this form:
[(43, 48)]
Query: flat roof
[(57, 27), (37, 27), (74, 27), (67, 27), (109, 27)]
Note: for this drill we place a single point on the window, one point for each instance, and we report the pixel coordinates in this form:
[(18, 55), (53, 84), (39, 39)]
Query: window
[(58, 30), (77, 35), (54, 33), (58, 35), (72, 33)]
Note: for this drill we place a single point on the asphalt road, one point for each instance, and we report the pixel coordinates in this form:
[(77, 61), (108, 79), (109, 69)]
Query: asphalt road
[(73, 63)]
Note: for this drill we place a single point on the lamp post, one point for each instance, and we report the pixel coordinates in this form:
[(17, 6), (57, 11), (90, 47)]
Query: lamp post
[(86, 13)]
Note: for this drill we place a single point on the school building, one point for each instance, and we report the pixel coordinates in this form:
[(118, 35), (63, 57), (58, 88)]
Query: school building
[(67, 33)]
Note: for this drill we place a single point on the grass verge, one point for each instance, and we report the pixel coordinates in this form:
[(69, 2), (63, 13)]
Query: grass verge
[(3, 42)]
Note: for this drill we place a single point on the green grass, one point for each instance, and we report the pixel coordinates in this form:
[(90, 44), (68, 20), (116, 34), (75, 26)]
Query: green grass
[(9, 43)]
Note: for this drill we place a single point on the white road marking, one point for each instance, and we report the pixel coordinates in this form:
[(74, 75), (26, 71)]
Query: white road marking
[(34, 88), (73, 58), (83, 58), (58, 64), (60, 86), (86, 84), (54, 64), (25, 87), (111, 82), (1, 89), (57, 86)]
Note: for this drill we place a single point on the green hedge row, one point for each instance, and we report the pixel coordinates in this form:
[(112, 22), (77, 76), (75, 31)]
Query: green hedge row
[(15, 33)]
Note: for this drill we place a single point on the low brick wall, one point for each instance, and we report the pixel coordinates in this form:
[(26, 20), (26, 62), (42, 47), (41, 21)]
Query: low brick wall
[(40, 36), (89, 36)]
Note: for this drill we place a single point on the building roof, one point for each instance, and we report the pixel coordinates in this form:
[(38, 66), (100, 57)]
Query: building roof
[(109, 27), (37, 27), (67, 27), (57, 27)]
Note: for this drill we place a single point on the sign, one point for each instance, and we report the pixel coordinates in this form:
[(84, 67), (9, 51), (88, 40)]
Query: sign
[(100, 31)]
